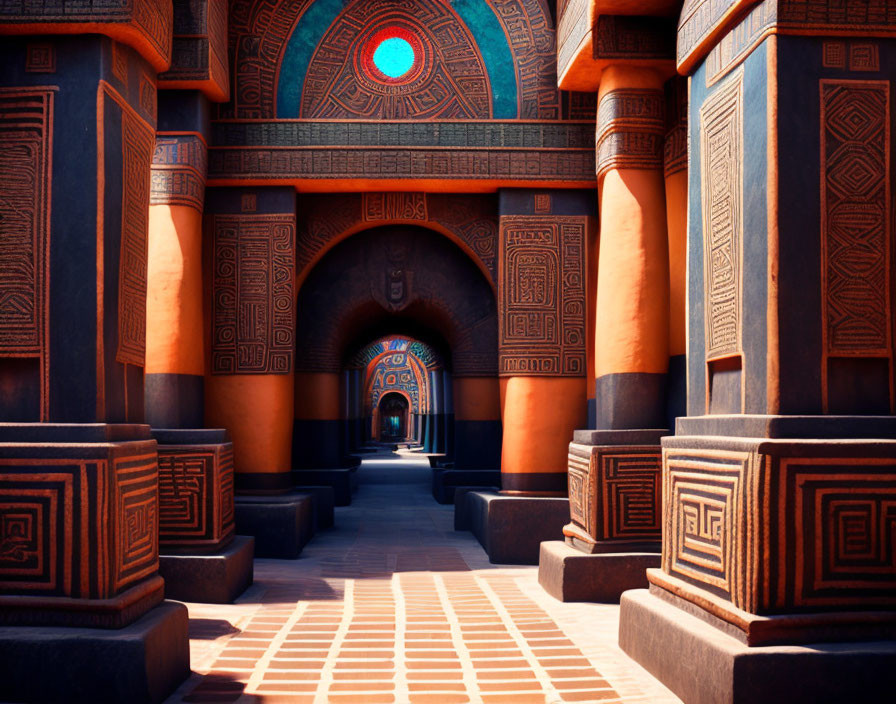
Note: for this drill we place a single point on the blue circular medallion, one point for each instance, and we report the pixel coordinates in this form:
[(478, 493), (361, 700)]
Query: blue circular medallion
[(394, 57)]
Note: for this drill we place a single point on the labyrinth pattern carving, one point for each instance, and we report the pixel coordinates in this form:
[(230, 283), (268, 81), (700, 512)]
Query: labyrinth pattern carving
[(195, 496), (630, 130), (75, 528), (721, 134), (179, 168), (253, 308), (137, 144), (615, 492), (855, 216), (542, 293), (26, 123)]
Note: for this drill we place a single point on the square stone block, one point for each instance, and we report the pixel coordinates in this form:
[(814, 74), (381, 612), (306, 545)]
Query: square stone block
[(79, 525), (511, 528), (781, 526), (614, 491), (196, 513)]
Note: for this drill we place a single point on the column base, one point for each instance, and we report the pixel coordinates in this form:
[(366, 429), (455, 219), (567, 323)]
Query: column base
[(281, 525), (116, 612), (323, 500), (511, 528), (703, 665), (343, 481), (143, 662), (218, 578), (569, 575), (446, 481), (463, 508)]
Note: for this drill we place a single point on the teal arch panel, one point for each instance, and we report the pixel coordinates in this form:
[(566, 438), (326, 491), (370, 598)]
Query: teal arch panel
[(477, 15)]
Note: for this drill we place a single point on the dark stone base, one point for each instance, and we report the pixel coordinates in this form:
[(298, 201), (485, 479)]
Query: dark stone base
[(322, 503), (343, 481), (445, 481), (568, 574), (512, 528), (462, 507), (144, 662), (281, 525), (211, 579), (702, 665)]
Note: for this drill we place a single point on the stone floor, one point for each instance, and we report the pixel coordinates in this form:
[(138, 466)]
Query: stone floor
[(393, 605)]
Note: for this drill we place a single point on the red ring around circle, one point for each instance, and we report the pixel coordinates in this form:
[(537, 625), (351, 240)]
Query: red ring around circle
[(373, 42)]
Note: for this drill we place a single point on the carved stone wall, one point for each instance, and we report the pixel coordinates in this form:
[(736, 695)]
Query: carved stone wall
[(179, 169), (630, 130)]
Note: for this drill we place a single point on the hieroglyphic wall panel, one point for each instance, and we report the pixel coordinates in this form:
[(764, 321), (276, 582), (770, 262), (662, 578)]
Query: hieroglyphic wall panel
[(195, 495), (77, 528), (199, 47), (179, 168), (40, 57), (630, 130), (675, 149), (26, 125), (253, 309), (721, 148), (393, 206), (855, 217), (542, 293), (137, 143)]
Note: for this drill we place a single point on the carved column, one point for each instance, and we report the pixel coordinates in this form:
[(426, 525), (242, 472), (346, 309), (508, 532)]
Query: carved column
[(79, 500), (541, 341), (779, 485)]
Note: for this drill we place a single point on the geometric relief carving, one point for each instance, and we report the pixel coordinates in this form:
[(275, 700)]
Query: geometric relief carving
[(845, 550), (630, 130), (77, 528), (26, 124), (253, 309), (136, 497), (40, 58), (855, 217), (855, 56), (195, 495), (179, 168), (137, 141), (706, 506), (394, 206), (541, 281), (721, 135), (614, 492)]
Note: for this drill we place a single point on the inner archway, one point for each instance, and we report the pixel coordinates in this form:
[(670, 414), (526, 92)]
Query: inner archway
[(396, 279), (392, 418)]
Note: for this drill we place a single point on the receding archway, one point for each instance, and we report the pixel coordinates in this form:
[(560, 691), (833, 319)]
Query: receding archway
[(392, 418), (386, 279)]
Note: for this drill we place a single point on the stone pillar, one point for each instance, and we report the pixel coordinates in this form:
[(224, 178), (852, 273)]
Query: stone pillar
[(448, 393), (435, 391), (175, 349), (779, 484), (541, 333), (79, 500), (620, 457)]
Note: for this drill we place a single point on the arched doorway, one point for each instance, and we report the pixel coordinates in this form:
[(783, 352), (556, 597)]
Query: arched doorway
[(388, 280), (392, 416)]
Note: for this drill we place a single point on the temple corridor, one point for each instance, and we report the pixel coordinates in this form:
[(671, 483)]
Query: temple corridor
[(393, 605)]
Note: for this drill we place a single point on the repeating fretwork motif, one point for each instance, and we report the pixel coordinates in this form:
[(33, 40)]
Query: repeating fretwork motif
[(855, 216), (253, 294), (630, 130), (721, 133), (137, 144), (26, 120), (542, 293), (179, 169)]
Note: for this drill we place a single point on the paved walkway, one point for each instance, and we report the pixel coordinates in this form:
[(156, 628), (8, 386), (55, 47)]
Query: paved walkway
[(392, 605)]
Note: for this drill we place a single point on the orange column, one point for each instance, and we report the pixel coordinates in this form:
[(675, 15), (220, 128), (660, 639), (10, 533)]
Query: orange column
[(175, 358), (542, 328), (317, 430), (477, 422), (632, 312), (250, 276), (676, 176)]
